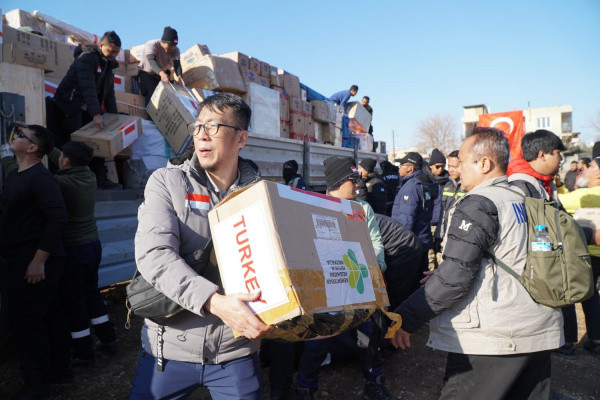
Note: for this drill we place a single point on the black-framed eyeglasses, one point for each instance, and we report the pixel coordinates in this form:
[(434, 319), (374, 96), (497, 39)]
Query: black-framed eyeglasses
[(22, 135), (211, 128)]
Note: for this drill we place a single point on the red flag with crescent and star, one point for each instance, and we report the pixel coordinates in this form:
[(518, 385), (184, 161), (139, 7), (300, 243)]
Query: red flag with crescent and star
[(512, 123)]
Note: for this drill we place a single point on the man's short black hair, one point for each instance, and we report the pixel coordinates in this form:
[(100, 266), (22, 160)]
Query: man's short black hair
[(354, 87), (112, 38), (221, 101), (43, 138), (366, 97), (573, 162), (78, 153), (453, 154), (586, 161), (544, 140)]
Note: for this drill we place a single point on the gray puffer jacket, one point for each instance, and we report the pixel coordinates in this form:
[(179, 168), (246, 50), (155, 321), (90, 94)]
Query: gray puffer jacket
[(172, 226)]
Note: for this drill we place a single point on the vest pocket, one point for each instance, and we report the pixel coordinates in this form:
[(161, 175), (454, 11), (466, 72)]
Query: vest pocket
[(462, 315)]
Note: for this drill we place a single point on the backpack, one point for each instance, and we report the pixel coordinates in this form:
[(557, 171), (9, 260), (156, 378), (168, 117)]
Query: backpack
[(144, 300), (562, 276)]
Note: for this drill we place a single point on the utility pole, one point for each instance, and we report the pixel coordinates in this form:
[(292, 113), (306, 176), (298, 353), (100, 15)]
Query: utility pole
[(393, 144)]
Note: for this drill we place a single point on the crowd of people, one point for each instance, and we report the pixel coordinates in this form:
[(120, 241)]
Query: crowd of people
[(432, 226)]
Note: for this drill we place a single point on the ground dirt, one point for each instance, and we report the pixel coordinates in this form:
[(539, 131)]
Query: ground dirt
[(413, 374)]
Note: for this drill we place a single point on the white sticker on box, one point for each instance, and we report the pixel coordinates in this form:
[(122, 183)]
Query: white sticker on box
[(315, 199), (130, 133), (347, 278), (326, 227), (189, 103), (246, 257)]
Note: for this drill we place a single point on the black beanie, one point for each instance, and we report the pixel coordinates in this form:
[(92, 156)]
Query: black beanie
[(437, 157), (368, 164), (169, 35), (596, 150), (338, 169), (291, 164)]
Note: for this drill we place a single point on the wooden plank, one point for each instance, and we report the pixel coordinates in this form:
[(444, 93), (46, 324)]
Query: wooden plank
[(29, 83)]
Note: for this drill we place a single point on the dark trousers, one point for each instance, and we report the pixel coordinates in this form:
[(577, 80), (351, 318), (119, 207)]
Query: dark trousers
[(591, 310), (236, 379), (346, 343), (148, 83), (281, 357), (510, 377), (65, 125), (80, 295), (35, 319), (402, 278)]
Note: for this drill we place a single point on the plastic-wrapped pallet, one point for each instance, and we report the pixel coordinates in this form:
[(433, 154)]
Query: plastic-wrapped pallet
[(264, 103), (150, 152)]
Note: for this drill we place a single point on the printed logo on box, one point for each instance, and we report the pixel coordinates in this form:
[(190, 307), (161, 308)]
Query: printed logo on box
[(346, 276)]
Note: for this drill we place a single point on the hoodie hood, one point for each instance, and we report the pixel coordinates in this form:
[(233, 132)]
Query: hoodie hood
[(520, 166)]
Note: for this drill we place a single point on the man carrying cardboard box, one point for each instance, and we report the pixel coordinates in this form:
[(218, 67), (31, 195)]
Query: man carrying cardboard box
[(158, 57), (198, 347), (341, 98), (85, 93)]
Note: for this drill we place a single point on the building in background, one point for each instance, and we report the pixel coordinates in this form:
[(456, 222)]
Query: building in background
[(557, 119)]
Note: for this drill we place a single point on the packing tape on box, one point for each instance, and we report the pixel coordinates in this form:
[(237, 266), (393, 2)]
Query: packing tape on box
[(313, 323)]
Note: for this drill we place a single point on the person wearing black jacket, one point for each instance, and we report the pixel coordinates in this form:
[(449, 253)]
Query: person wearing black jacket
[(291, 177), (402, 250), (31, 221), (571, 177), (85, 93), (370, 187), (391, 177)]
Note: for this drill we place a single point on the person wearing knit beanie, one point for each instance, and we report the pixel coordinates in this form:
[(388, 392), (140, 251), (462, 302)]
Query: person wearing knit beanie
[(339, 169), (437, 162), (368, 164), (159, 56)]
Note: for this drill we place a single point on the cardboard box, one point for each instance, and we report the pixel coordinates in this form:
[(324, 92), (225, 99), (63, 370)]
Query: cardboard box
[(306, 109), (290, 84), (296, 106), (240, 58), (135, 53), (131, 104), (284, 129), (261, 80), (314, 252), (119, 132), (361, 116), (309, 129), (275, 79), (24, 48), (254, 64), (196, 51), (264, 103), (123, 56), (213, 73), (64, 59), (132, 69), (318, 132), (265, 69), (339, 115), (284, 108), (172, 109), (320, 111), (122, 83), (249, 76), (297, 126), (121, 69), (303, 94), (29, 83), (329, 133)]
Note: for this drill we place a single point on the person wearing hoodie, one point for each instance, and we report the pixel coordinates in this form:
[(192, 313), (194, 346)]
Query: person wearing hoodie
[(85, 93), (534, 172), (370, 187), (198, 347), (291, 177)]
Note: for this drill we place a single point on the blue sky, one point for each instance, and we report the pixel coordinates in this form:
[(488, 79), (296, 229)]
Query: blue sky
[(413, 58)]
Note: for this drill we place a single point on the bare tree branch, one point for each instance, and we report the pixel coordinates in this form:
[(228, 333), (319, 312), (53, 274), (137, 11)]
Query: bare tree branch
[(437, 132), (595, 122)]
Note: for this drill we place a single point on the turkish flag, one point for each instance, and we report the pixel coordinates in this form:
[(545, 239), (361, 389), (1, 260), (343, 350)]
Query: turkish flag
[(512, 124)]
